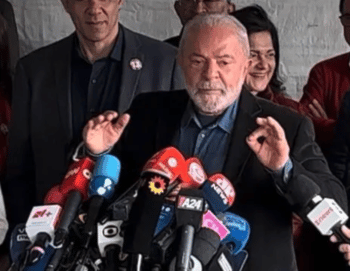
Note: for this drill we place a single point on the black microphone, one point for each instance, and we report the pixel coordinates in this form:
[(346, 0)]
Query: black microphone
[(324, 213), (189, 211), (68, 214), (163, 168)]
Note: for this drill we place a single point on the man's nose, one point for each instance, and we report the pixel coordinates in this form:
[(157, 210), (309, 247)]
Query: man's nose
[(94, 6), (210, 71)]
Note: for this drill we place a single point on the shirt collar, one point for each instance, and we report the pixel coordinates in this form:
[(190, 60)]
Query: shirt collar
[(117, 50), (225, 120)]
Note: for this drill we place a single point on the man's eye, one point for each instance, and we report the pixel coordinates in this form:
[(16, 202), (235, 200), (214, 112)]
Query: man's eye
[(223, 63), (195, 62)]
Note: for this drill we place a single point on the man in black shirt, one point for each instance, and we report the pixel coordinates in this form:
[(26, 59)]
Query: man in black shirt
[(101, 66)]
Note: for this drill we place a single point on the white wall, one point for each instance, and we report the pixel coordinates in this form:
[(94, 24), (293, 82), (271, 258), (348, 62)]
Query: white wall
[(309, 29)]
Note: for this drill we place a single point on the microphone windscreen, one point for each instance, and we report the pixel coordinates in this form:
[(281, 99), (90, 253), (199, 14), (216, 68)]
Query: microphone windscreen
[(189, 208), (225, 186), (108, 166), (206, 242), (44, 261), (19, 242), (300, 190), (239, 231), (168, 162), (77, 178), (166, 217), (214, 196)]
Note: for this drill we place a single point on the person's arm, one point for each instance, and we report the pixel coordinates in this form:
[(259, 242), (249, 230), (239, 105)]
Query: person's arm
[(306, 156), (339, 153), (19, 186), (315, 90), (309, 160)]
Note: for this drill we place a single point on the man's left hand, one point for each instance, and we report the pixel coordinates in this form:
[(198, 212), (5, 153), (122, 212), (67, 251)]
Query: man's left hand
[(269, 143)]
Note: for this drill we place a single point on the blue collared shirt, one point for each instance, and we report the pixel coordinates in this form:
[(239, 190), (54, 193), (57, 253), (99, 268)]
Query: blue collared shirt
[(209, 143)]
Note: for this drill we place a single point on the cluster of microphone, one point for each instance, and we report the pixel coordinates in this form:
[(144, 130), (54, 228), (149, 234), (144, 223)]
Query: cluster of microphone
[(173, 218)]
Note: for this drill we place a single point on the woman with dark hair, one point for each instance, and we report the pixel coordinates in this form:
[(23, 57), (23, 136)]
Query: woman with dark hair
[(263, 77), (5, 96)]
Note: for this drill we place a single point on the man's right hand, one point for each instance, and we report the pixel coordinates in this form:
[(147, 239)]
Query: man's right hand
[(103, 131)]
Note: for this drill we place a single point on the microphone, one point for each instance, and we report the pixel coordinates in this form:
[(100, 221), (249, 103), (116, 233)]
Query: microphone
[(68, 214), (324, 213), (189, 211), (40, 228), (43, 263), (166, 218), (207, 240), (239, 230), (163, 168), (217, 190), (69, 194), (77, 178), (223, 260), (102, 186), (19, 242), (110, 242)]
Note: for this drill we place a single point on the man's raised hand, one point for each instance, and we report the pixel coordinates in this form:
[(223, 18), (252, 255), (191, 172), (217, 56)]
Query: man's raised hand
[(269, 143), (103, 131)]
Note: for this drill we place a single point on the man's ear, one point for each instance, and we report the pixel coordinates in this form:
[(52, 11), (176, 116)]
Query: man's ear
[(231, 8)]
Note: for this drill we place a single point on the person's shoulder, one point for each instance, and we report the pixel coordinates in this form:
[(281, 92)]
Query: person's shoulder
[(46, 53), (151, 43), (334, 63)]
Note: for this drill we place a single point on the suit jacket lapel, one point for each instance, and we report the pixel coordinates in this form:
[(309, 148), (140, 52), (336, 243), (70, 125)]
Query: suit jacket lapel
[(130, 76), (239, 152), (170, 119), (62, 77)]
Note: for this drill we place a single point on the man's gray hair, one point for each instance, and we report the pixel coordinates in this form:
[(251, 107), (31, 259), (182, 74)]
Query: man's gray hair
[(212, 20)]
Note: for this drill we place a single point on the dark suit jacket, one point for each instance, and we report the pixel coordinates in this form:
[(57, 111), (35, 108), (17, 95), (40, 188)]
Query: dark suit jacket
[(155, 118), (41, 138), (6, 11)]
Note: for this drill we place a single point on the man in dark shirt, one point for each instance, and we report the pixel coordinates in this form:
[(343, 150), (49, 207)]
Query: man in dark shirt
[(101, 66), (187, 9), (263, 148)]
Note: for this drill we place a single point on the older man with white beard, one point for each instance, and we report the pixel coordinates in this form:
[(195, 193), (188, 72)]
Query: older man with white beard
[(261, 147)]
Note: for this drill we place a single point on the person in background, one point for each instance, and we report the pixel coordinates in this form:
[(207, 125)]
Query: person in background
[(263, 78), (6, 11), (5, 93), (327, 83), (101, 66), (187, 9)]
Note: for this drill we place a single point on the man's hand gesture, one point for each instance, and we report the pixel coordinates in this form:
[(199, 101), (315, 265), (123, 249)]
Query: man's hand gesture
[(269, 143), (103, 131)]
